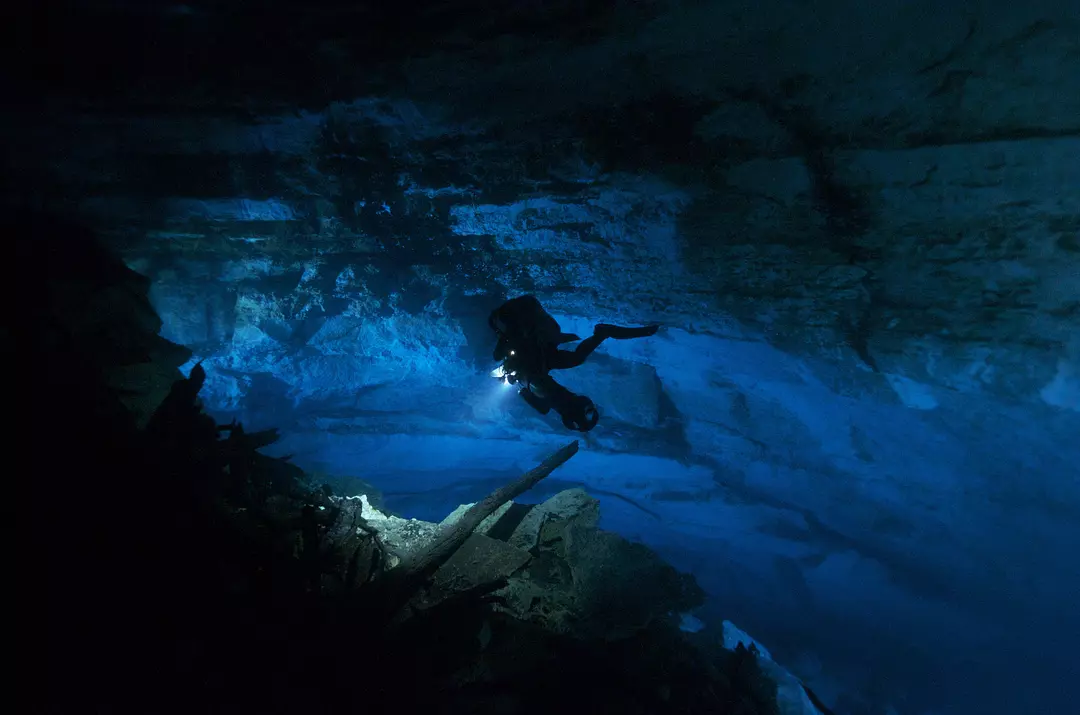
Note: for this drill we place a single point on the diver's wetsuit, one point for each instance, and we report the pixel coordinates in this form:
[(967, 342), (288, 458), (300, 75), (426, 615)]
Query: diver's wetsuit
[(528, 347)]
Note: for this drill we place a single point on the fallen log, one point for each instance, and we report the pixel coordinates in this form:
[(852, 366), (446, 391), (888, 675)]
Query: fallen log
[(405, 581)]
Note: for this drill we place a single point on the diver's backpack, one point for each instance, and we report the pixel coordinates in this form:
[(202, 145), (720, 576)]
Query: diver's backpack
[(523, 320)]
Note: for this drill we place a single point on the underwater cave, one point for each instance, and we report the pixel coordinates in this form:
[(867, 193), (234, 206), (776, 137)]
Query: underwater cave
[(266, 241)]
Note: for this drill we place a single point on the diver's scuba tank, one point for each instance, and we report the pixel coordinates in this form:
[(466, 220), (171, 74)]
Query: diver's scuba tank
[(530, 393), (543, 394), (581, 415), (578, 412), (535, 401)]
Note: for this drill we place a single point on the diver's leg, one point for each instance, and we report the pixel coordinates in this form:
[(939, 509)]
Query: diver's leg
[(620, 333), (564, 359)]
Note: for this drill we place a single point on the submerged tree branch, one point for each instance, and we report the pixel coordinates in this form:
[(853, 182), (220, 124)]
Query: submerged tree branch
[(418, 569)]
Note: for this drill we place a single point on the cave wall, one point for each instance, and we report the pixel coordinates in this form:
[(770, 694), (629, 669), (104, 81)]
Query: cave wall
[(858, 225)]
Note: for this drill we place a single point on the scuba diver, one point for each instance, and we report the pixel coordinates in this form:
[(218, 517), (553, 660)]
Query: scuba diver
[(528, 347)]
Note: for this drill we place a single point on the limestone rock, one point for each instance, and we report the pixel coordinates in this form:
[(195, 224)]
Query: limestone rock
[(402, 536), (480, 561), (620, 587), (587, 582), (546, 522), (791, 696)]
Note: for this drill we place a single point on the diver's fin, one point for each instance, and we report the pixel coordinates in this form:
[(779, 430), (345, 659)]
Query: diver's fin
[(618, 332), (568, 338)]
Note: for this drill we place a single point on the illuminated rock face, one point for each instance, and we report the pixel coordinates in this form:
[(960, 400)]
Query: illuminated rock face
[(858, 225)]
